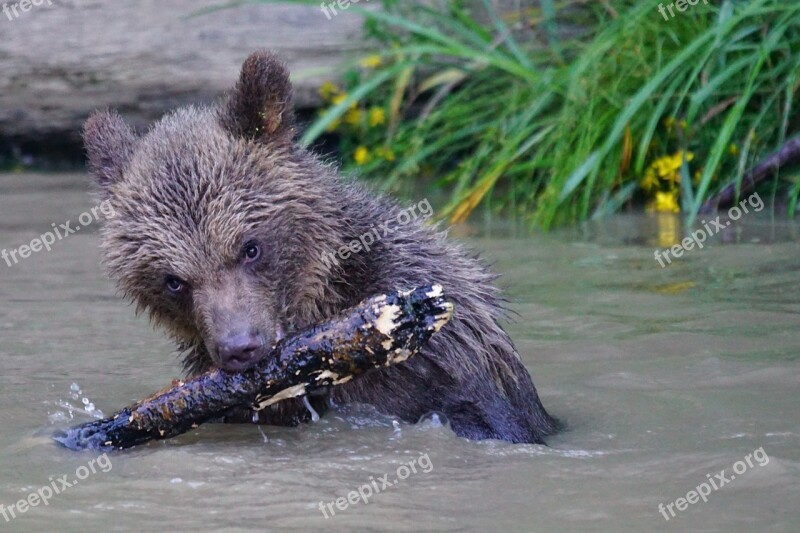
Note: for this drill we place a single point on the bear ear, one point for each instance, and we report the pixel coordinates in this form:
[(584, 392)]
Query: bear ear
[(109, 144), (260, 105)]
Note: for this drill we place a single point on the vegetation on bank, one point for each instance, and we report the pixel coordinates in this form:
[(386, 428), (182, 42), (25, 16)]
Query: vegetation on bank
[(570, 110)]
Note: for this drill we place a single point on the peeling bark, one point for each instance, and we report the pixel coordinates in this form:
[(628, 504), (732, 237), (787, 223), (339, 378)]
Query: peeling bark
[(379, 332)]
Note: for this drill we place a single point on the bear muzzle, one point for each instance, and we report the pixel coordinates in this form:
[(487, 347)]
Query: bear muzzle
[(239, 350)]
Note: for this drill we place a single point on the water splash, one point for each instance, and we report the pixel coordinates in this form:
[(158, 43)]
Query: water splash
[(67, 409)]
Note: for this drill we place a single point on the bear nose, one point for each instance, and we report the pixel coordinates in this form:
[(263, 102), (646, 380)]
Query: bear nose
[(240, 350)]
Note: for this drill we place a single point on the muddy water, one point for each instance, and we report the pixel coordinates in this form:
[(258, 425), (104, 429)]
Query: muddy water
[(666, 378)]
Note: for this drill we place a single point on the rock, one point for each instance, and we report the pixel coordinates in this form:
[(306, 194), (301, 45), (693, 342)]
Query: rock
[(58, 62)]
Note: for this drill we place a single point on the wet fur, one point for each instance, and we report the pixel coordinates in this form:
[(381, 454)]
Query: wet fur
[(202, 180)]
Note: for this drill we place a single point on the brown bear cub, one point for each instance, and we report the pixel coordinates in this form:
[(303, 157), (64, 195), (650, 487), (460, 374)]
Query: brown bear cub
[(224, 231)]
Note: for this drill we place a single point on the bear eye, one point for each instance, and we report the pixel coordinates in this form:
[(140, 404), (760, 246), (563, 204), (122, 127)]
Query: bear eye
[(175, 285), (251, 252)]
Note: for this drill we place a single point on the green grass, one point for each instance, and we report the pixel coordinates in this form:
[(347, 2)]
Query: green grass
[(557, 129)]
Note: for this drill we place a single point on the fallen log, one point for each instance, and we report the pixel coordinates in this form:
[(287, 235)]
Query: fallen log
[(789, 154), (379, 332)]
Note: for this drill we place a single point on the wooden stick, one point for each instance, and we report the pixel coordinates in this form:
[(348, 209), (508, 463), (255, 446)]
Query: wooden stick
[(379, 332)]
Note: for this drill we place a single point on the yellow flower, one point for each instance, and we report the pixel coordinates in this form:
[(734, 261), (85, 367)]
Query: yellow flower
[(361, 155), (353, 116), (650, 181), (377, 116), (328, 90), (372, 61), (672, 123), (338, 99), (666, 202), (385, 153), (733, 150), (668, 167)]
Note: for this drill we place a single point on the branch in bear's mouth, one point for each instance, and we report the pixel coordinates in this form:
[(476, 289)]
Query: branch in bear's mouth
[(379, 332)]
